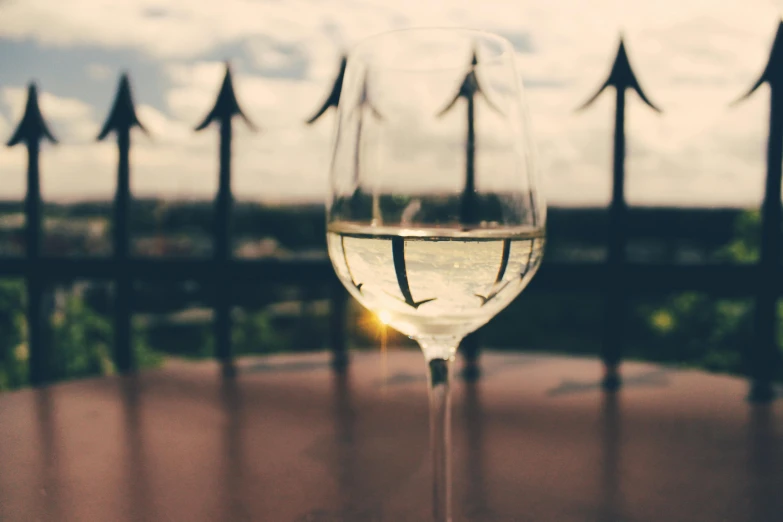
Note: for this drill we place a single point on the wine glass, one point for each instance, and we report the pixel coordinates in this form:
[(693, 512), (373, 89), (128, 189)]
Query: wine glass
[(435, 221)]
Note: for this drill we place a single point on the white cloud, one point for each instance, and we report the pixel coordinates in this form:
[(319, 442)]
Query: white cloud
[(5, 127), (176, 28), (89, 168), (12, 172), (193, 88), (167, 29), (99, 71), (161, 128)]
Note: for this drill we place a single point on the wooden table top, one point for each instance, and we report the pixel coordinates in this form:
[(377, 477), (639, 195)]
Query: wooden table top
[(287, 440)]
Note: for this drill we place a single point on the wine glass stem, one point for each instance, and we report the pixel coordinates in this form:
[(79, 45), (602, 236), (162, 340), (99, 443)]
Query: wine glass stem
[(439, 373)]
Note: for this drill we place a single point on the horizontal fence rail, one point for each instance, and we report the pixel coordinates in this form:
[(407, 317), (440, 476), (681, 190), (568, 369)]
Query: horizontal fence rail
[(716, 280), (616, 278)]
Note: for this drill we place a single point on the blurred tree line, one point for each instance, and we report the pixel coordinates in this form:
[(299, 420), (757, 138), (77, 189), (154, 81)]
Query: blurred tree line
[(79, 331), (684, 328)]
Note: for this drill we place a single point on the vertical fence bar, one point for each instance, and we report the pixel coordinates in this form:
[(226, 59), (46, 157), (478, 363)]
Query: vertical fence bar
[(226, 107), (762, 358), (122, 117), (36, 322), (339, 297), (223, 208), (338, 307), (765, 356), (471, 351), (468, 90), (123, 309), (616, 298), (32, 129), (621, 78)]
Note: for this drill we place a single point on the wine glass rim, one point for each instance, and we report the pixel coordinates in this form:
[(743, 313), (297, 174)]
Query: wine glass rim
[(505, 45)]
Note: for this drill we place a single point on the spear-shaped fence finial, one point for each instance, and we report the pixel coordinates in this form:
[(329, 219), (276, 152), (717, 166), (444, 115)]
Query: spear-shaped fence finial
[(622, 78)]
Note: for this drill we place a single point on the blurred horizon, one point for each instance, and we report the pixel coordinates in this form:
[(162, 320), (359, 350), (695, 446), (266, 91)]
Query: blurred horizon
[(692, 57), (306, 202)]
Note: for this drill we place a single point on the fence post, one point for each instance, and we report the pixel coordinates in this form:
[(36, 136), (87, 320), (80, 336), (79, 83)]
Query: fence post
[(763, 357), (621, 78), (338, 307), (225, 108), (468, 90), (32, 129), (339, 296), (121, 118), (471, 350)]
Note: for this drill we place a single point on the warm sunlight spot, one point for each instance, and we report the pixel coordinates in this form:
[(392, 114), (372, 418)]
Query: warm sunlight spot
[(384, 317)]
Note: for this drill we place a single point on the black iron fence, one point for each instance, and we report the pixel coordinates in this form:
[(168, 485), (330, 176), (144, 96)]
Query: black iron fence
[(616, 278)]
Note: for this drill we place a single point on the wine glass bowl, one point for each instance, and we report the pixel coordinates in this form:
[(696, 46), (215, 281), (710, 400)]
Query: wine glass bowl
[(435, 220), (434, 215), (437, 283)]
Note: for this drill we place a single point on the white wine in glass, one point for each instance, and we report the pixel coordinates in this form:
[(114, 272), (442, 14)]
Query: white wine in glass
[(435, 218)]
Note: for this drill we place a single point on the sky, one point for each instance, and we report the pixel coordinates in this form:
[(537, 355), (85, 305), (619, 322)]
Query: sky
[(693, 58)]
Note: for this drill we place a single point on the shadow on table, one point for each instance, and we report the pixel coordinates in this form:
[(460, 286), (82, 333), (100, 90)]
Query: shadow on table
[(340, 453), (475, 499), (232, 402), (763, 465), (610, 507), (284, 367), (48, 437), (475, 504), (137, 487), (652, 379)]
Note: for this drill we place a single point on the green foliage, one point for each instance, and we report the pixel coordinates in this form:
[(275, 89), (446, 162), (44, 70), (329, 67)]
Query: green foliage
[(181, 339), (746, 245), (697, 329), (13, 350), (694, 329), (254, 333), (79, 339), (192, 337), (687, 329), (571, 323)]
